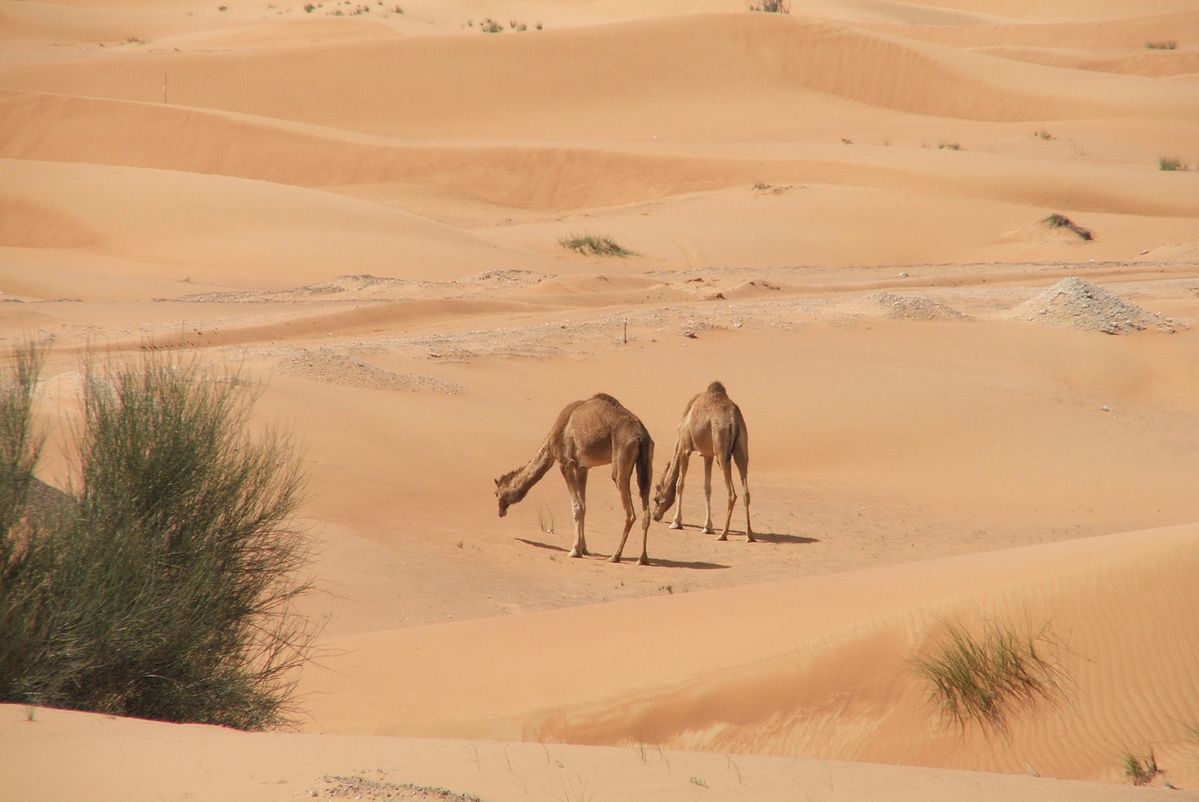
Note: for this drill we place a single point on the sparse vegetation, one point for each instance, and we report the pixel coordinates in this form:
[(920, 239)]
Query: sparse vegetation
[(1167, 44), (358, 787), (589, 245), (1171, 164), (489, 25), (545, 520), (1056, 220), (949, 146), (1141, 772), (699, 781), (1041, 133), (771, 6), (161, 589), (985, 679)]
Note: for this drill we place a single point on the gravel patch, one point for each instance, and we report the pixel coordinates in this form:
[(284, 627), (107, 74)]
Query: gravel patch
[(328, 364), (900, 307), (1078, 304)]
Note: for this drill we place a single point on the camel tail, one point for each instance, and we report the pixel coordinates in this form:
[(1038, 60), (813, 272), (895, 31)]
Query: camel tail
[(645, 468)]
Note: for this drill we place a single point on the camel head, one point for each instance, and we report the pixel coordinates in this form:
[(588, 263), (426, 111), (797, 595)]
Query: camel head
[(506, 493), (664, 493), (504, 503)]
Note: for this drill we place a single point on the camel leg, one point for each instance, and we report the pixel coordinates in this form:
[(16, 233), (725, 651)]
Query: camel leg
[(578, 504), (741, 456), (677, 521), (727, 468), (708, 495), (644, 559), (622, 471)]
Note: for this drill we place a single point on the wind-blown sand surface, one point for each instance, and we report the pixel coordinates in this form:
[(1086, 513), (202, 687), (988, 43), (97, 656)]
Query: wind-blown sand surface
[(958, 413)]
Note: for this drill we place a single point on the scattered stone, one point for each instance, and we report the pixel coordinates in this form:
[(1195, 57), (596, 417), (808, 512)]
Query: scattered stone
[(690, 334)]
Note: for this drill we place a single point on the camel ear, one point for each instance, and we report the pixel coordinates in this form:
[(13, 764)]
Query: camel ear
[(497, 482)]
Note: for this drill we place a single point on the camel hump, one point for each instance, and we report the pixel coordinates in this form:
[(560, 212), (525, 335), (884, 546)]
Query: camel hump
[(606, 397), (716, 388)]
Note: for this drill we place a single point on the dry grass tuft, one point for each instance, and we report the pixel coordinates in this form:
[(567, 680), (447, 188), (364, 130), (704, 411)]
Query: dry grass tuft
[(1141, 772), (590, 245), (986, 679)]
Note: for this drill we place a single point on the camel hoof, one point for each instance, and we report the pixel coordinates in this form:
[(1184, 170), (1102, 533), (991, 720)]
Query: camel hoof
[(643, 561), (575, 553), (751, 538), (615, 558), (725, 536), (675, 525), (709, 530)]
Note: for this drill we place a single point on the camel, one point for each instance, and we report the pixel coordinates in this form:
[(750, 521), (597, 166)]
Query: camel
[(712, 425), (589, 433)]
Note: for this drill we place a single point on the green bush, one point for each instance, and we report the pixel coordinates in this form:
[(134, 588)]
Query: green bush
[(162, 589)]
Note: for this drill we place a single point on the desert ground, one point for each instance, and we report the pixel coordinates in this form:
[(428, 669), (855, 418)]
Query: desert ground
[(958, 411)]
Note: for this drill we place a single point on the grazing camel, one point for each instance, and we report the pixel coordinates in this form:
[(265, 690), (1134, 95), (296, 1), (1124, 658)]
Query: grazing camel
[(712, 425), (586, 434)]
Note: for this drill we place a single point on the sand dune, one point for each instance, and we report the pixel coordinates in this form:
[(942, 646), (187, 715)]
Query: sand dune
[(115, 758), (493, 85), (822, 671)]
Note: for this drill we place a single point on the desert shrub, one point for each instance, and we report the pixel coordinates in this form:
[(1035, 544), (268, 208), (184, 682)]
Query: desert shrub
[(18, 448), (1168, 44), (1056, 220), (594, 246), (1141, 772), (986, 679), (1170, 163), (771, 6), (163, 588)]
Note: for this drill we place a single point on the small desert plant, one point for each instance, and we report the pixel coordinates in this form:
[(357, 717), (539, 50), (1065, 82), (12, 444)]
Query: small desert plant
[(1170, 164), (1167, 44), (1041, 133), (1056, 220), (949, 146), (490, 26), (985, 679), (771, 6), (1141, 772), (699, 781), (162, 589), (545, 520), (590, 245)]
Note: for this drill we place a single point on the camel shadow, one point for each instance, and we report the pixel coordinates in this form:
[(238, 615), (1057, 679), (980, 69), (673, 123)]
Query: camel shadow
[(778, 537), (695, 565), (765, 537), (539, 545)]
